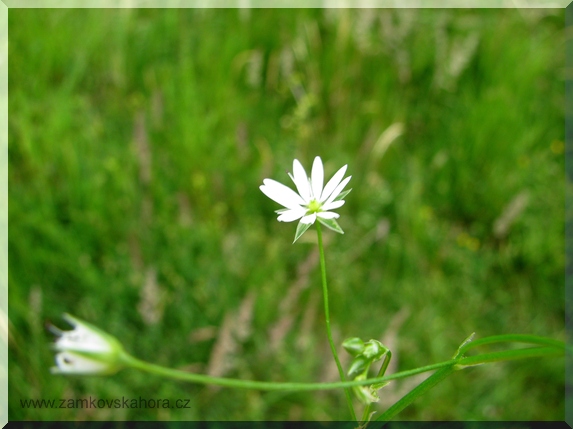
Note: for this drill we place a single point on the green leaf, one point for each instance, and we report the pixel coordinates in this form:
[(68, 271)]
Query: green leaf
[(508, 355), (462, 345), (518, 338), (331, 224), (301, 229)]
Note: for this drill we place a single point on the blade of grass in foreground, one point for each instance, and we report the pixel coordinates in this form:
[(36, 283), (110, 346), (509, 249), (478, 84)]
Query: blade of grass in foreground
[(464, 362), (422, 388)]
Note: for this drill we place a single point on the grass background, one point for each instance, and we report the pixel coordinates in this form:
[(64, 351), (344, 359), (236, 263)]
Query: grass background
[(138, 140)]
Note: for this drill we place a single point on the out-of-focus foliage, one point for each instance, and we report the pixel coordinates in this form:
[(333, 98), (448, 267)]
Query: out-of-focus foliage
[(137, 143)]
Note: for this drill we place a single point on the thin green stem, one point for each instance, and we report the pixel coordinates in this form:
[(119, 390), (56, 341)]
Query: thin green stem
[(547, 348), (381, 372), (175, 374), (327, 319), (133, 362), (365, 414)]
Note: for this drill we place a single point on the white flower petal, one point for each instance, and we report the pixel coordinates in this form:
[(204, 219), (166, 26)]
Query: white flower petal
[(309, 218), (71, 363), (82, 339), (338, 190), (333, 205), (301, 180), (291, 215), (281, 194), (333, 183), (317, 178), (328, 215)]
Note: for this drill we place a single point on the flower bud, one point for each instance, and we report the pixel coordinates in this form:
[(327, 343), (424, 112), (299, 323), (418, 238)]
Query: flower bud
[(374, 350), (86, 350), (354, 346)]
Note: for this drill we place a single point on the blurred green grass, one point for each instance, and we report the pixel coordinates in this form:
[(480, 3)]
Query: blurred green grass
[(138, 140)]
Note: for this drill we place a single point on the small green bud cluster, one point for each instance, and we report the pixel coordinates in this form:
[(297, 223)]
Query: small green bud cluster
[(364, 355)]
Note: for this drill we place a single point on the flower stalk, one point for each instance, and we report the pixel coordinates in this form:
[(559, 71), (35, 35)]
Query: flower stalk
[(327, 320)]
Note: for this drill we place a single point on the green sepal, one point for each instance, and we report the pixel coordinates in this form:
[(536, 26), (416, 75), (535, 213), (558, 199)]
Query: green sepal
[(377, 386), (331, 224), (301, 229), (342, 195), (359, 367)]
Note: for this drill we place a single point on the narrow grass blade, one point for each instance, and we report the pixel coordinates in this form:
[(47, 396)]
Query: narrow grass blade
[(514, 338), (509, 355), (419, 390)]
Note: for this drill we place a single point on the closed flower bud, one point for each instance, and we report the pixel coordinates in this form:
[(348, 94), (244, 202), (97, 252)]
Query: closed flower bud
[(374, 350), (354, 346), (86, 350)]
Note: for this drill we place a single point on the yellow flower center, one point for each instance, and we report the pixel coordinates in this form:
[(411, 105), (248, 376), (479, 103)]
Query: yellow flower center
[(314, 206)]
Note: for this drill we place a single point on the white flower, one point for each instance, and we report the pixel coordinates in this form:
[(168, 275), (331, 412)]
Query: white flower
[(86, 350), (312, 201)]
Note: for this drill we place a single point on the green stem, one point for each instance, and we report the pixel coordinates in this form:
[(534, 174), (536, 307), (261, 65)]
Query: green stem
[(548, 348), (327, 319), (175, 374), (381, 372)]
